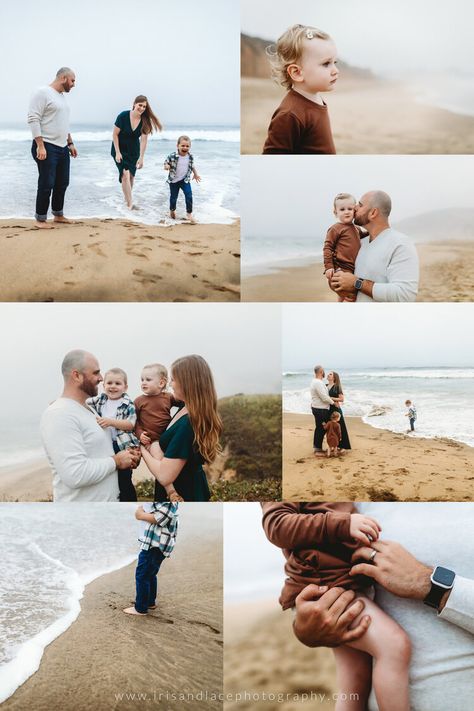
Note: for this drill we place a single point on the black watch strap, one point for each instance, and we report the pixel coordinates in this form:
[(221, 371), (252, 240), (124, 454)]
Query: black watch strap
[(442, 579)]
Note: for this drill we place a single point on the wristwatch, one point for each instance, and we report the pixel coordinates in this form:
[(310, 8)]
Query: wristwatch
[(442, 579), (358, 284)]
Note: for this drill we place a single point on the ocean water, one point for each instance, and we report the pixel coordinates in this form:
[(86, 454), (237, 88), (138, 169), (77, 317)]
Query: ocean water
[(94, 190), (20, 442), (444, 398), (49, 554)]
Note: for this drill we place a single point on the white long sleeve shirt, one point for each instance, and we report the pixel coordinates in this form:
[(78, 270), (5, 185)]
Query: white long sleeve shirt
[(442, 666), (319, 395), (48, 116), (391, 262), (79, 452)]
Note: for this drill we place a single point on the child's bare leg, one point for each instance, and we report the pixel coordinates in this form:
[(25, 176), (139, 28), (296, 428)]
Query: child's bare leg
[(354, 679), (390, 647)]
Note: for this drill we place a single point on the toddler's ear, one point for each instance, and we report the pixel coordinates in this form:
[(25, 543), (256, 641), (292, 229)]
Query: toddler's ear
[(295, 72)]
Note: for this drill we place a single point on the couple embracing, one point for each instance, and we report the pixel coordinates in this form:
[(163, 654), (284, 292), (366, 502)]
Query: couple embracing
[(326, 400)]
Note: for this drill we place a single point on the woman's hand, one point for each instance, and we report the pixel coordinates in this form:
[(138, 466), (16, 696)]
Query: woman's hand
[(118, 157), (140, 163), (361, 527)]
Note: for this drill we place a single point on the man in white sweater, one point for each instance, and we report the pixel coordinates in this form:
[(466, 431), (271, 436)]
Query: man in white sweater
[(80, 452), (423, 569), (48, 118), (320, 404), (386, 267)]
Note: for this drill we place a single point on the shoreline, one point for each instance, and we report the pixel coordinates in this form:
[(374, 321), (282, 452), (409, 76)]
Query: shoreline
[(382, 466), (105, 655), (120, 260), (446, 274)]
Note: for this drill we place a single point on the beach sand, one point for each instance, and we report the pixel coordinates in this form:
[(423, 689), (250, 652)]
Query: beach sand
[(446, 274), (119, 260), (33, 481), (176, 648), (262, 656), (382, 466), (367, 116)]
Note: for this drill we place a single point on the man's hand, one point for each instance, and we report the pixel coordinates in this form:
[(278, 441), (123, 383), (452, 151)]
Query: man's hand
[(127, 459), (323, 617), (394, 568), (364, 529), (41, 152), (145, 439), (72, 150), (343, 281)]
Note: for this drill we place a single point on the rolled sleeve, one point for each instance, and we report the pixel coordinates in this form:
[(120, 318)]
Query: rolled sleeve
[(459, 609)]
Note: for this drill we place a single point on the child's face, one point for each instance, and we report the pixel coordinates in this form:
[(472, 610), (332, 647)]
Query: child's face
[(152, 382), (184, 147), (114, 386), (344, 210), (318, 65)]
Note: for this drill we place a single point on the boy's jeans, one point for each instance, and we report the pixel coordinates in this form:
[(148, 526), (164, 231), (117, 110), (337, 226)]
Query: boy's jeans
[(412, 424), (126, 489), (53, 176), (148, 565), (188, 195)]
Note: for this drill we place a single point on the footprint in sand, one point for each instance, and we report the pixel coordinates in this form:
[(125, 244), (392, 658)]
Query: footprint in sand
[(78, 249), (204, 624), (146, 277), (70, 283), (136, 250), (97, 249)]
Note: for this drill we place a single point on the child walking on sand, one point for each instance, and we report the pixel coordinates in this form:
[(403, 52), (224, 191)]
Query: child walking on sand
[(411, 414), (318, 540), (304, 62), (180, 167), (333, 434), (153, 413), (157, 539), (116, 414), (342, 243)]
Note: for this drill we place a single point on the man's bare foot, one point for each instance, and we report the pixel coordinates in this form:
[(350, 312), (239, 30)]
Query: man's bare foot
[(43, 225), (319, 453), (132, 611), (63, 220), (190, 219), (173, 214)]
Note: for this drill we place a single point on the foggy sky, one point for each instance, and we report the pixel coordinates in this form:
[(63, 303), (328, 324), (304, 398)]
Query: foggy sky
[(377, 335), (184, 56)]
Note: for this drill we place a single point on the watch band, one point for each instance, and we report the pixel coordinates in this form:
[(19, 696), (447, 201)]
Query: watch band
[(442, 579)]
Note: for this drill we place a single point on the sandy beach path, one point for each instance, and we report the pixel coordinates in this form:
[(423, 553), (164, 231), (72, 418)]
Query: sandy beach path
[(382, 466), (176, 648), (119, 260)]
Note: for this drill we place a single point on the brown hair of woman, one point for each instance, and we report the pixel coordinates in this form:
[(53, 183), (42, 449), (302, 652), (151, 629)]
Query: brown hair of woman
[(150, 122)]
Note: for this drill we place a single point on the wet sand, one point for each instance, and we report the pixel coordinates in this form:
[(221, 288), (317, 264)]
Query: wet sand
[(382, 466), (446, 274), (367, 116), (119, 260)]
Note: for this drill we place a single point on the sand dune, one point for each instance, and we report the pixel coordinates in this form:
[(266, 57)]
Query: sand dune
[(382, 466), (119, 260)]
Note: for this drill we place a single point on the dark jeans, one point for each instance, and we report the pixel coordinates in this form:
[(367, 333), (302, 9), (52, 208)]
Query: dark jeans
[(148, 565), (188, 195), (320, 416), (53, 176), (412, 424), (126, 488)]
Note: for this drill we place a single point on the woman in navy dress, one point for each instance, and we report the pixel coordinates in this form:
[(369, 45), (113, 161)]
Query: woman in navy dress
[(130, 138), (335, 391)]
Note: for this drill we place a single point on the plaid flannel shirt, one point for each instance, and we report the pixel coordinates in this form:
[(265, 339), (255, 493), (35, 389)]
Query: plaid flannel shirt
[(172, 161), (125, 411), (161, 534)]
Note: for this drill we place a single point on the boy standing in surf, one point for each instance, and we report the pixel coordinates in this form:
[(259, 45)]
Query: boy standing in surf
[(180, 167)]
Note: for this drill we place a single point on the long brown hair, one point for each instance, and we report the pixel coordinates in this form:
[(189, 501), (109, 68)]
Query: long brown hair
[(150, 122), (337, 381), (199, 393)]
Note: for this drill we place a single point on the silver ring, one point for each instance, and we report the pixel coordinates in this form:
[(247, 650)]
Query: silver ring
[(372, 556)]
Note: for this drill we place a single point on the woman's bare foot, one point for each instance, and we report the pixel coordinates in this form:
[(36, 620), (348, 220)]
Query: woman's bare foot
[(132, 611), (43, 225)]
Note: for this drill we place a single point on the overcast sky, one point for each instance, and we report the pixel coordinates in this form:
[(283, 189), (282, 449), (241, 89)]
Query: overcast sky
[(377, 335), (183, 55), (393, 35), (240, 342), (282, 196)]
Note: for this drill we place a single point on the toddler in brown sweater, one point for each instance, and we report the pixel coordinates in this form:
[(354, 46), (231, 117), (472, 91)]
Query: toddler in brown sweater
[(333, 434), (318, 540), (304, 62)]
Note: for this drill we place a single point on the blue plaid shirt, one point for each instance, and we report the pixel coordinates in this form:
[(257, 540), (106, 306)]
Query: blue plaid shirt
[(161, 534), (172, 161), (125, 411)]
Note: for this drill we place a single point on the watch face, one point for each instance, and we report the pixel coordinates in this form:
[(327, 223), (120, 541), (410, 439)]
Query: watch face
[(443, 576)]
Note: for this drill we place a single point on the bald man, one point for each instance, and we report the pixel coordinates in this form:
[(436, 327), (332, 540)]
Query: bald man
[(386, 267), (79, 451)]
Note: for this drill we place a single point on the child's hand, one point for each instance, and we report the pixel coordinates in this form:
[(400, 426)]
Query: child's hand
[(144, 439), (329, 273), (166, 166), (197, 178), (103, 421), (138, 513), (174, 496), (364, 529)]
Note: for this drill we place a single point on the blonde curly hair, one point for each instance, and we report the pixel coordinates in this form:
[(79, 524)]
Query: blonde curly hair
[(288, 50)]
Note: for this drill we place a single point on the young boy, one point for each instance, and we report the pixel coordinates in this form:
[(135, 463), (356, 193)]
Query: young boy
[(116, 414), (342, 243), (411, 414), (157, 538), (153, 411), (180, 165), (333, 434), (304, 62)]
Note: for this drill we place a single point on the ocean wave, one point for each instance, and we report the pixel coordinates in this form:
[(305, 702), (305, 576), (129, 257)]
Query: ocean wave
[(105, 135)]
